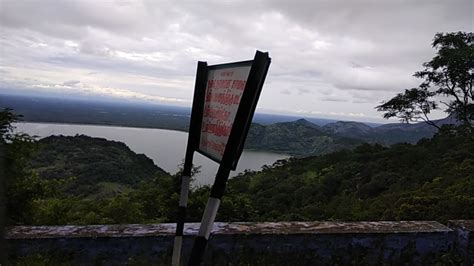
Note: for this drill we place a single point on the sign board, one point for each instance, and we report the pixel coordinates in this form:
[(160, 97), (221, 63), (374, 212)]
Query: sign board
[(224, 102), (225, 98), (224, 89)]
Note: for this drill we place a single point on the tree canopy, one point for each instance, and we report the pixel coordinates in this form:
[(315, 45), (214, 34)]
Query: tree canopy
[(448, 75)]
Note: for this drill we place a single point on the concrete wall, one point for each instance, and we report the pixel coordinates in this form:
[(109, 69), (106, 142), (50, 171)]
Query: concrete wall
[(464, 239), (284, 243)]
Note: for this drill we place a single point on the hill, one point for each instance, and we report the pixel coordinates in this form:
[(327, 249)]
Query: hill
[(93, 165), (298, 138), (302, 138), (387, 134), (277, 133), (84, 180), (433, 179)]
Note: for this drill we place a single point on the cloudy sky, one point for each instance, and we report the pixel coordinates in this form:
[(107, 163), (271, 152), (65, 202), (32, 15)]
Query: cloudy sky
[(335, 59)]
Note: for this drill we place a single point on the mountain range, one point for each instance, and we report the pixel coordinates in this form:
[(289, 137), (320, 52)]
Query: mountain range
[(276, 133), (303, 138)]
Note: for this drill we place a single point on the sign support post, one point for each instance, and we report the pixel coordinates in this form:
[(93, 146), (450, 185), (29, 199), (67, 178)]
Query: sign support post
[(193, 142), (225, 99), (209, 215)]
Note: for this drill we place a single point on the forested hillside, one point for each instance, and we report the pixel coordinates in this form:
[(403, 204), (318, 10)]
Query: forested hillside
[(302, 138), (431, 180), (298, 138), (83, 180), (92, 165)]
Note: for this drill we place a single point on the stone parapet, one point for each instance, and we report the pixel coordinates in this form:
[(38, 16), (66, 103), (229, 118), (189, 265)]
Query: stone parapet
[(284, 243)]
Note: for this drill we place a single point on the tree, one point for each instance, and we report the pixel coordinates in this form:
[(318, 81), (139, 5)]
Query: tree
[(21, 186), (450, 74), (7, 118), (411, 106)]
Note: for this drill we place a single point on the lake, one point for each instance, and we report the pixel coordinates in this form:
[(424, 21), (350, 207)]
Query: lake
[(165, 147)]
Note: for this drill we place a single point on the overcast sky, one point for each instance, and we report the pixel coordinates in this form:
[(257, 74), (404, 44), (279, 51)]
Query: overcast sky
[(334, 59)]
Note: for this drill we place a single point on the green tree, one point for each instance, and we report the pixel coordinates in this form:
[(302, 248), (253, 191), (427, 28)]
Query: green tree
[(450, 74), (22, 186)]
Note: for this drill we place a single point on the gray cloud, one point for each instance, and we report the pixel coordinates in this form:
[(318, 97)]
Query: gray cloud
[(71, 83), (355, 52), (302, 91), (334, 99)]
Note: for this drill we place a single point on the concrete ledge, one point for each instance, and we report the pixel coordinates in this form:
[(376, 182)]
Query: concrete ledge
[(305, 243), (140, 230), (464, 239)]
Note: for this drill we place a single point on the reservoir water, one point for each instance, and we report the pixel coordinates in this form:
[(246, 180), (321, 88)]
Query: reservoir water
[(165, 147)]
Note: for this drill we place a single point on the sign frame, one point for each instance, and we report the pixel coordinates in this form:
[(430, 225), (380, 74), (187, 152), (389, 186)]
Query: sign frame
[(232, 151), (246, 108)]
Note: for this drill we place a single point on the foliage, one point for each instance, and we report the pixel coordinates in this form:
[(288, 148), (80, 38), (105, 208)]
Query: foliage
[(7, 118), (91, 162), (298, 138), (430, 180), (450, 73), (21, 185), (100, 182), (62, 180), (411, 106)]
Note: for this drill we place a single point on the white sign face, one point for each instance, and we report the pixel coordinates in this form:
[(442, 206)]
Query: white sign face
[(224, 91)]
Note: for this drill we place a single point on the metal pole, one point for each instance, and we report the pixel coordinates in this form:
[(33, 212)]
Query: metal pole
[(183, 201), (193, 140), (209, 215)]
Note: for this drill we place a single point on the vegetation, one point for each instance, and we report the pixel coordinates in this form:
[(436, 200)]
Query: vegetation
[(67, 180), (91, 163), (449, 74), (299, 138), (302, 138), (430, 180), (21, 186)]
